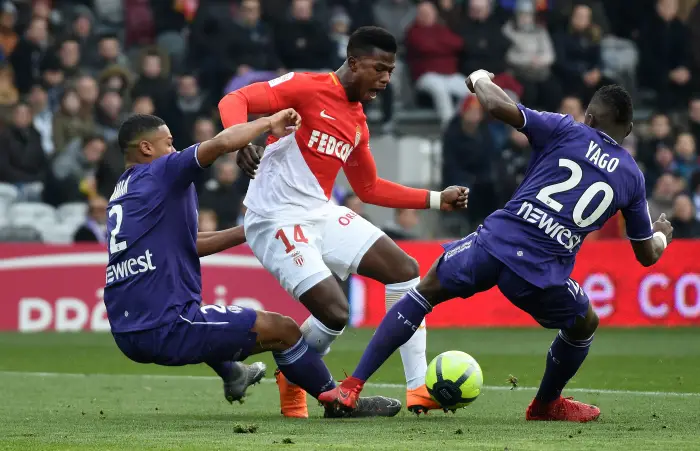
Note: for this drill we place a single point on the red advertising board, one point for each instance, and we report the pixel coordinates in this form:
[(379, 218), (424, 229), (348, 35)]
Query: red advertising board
[(623, 292), (60, 288)]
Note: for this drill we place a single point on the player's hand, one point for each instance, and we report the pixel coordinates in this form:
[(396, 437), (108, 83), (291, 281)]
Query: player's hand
[(285, 122), (454, 198), (476, 75), (664, 226), (248, 159)]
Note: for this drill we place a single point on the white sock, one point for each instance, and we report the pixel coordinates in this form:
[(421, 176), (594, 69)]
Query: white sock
[(318, 336), (413, 351)]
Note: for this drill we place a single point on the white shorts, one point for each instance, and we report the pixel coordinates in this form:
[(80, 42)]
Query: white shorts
[(302, 252)]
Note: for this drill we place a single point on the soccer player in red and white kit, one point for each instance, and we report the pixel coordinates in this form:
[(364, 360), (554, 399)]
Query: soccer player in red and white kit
[(297, 233)]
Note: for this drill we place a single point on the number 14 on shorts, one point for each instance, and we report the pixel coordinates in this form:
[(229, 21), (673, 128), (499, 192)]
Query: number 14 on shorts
[(298, 238)]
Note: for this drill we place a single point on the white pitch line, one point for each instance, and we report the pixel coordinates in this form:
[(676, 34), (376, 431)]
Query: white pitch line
[(370, 384)]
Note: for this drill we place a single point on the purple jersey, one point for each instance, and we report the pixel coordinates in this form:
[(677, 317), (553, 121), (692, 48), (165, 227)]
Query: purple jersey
[(578, 178), (153, 268)]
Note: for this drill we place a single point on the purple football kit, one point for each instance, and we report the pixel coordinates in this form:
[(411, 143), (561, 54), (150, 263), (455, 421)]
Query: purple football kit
[(577, 179), (153, 279)]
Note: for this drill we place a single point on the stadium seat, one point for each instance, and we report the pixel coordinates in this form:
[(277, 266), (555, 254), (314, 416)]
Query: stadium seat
[(28, 213), (8, 193), (417, 160), (72, 212), (58, 233), (15, 234)]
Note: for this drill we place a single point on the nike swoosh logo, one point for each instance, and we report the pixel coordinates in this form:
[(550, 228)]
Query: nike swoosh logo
[(325, 116), (343, 394)]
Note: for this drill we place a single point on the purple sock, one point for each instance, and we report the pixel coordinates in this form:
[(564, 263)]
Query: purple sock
[(303, 366), (397, 327), (226, 370), (564, 358)]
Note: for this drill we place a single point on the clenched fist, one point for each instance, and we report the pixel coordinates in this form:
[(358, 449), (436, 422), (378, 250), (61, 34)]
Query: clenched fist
[(454, 198)]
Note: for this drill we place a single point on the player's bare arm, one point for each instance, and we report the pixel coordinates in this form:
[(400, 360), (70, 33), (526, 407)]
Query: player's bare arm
[(248, 159), (238, 136), (494, 99), (209, 243), (648, 252)]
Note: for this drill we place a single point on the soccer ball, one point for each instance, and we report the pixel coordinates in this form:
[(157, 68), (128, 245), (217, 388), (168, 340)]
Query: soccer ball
[(454, 379)]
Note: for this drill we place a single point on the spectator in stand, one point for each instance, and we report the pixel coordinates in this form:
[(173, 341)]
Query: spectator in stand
[(109, 52), (664, 162), (154, 79), (9, 95), (485, 45), (43, 117), (303, 43), (224, 193), (69, 56), (204, 130), (143, 105), (433, 56), (67, 122), (354, 203), (188, 103), (403, 225), (578, 58), (26, 58), (694, 118), (88, 91), (572, 106), (116, 78), (95, 228), (208, 221), (53, 78), (109, 115), (468, 152), (664, 59), (685, 224), (665, 191), (513, 164), (250, 51), (23, 162), (396, 16), (686, 155), (340, 35), (531, 56), (83, 30), (8, 35), (73, 171)]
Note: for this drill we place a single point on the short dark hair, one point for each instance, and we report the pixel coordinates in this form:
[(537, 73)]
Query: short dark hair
[(365, 39), (135, 126), (618, 103)]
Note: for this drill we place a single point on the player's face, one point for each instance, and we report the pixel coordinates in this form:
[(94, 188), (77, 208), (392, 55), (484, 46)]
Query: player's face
[(372, 74), (159, 143)]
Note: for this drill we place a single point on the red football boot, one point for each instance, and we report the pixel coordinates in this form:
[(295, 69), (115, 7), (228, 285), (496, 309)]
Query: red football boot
[(562, 409), (343, 397)]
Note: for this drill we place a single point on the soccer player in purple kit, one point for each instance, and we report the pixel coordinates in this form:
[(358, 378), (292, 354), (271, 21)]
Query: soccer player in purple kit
[(578, 178), (153, 278)]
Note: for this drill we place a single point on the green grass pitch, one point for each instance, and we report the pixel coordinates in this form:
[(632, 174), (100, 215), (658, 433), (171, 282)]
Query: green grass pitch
[(76, 391)]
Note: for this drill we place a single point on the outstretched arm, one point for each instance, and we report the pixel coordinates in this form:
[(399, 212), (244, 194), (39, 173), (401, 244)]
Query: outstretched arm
[(494, 99), (238, 136), (209, 243), (361, 172)]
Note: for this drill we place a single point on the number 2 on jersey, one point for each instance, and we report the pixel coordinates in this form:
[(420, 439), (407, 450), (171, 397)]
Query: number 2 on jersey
[(545, 195), (298, 237), (114, 245)]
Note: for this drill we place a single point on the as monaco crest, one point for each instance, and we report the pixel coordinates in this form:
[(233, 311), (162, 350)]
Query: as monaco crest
[(299, 260)]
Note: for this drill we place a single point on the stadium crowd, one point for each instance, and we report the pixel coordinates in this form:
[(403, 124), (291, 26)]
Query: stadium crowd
[(72, 70)]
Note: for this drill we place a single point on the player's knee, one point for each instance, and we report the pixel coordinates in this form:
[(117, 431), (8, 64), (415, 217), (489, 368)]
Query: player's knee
[(407, 269), (278, 329), (585, 327), (289, 332), (336, 316)]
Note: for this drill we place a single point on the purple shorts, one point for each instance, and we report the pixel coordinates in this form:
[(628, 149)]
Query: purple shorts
[(466, 268), (210, 333)]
